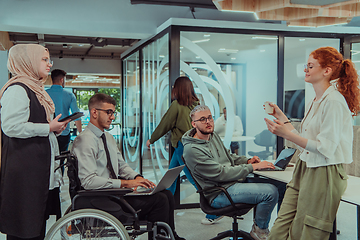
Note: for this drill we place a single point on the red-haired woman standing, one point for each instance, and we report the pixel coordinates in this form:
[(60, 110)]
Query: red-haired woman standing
[(325, 143)]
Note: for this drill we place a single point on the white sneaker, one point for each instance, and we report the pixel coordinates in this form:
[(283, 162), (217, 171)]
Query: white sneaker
[(207, 221), (258, 233)]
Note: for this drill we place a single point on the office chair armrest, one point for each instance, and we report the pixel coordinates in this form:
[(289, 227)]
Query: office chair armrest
[(222, 189), (105, 192)]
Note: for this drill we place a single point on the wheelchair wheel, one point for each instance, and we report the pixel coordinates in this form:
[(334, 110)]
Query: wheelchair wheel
[(87, 224)]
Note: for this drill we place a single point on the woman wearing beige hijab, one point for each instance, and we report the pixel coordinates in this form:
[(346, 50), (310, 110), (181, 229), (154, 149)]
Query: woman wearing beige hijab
[(29, 145)]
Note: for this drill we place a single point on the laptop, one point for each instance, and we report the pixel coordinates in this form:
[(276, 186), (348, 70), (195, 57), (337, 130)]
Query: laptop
[(165, 182), (282, 160)]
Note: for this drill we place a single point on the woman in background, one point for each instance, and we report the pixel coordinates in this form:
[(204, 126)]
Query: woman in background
[(177, 120), (28, 185), (325, 143)]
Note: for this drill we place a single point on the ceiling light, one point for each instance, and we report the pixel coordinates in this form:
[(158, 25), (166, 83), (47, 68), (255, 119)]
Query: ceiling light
[(302, 39), (197, 57), (181, 47), (201, 40), (161, 56), (224, 50), (354, 52), (233, 58), (206, 35), (266, 38)]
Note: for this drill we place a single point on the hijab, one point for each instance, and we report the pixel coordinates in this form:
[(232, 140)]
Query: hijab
[(24, 64)]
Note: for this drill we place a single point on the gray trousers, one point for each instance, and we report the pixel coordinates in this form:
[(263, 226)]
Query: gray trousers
[(310, 204)]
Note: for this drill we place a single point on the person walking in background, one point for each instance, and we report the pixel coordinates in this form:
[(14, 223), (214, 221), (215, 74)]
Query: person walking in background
[(325, 143), (220, 128), (177, 120), (64, 101), (29, 189)]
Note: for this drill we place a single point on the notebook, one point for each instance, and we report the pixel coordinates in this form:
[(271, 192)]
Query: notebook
[(282, 160), (165, 182)]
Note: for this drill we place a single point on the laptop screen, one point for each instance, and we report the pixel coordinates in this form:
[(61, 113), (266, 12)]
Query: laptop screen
[(284, 157)]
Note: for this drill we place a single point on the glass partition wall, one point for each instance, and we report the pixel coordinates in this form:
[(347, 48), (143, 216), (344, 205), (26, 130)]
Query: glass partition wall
[(230, 68), (155, 102), (131, 111)]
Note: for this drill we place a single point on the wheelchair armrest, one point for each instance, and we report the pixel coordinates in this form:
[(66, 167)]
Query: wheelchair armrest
[(221, 189), (105, 192)]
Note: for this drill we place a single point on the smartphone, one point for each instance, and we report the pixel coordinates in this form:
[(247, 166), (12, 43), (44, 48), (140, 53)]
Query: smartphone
[(72, 116)]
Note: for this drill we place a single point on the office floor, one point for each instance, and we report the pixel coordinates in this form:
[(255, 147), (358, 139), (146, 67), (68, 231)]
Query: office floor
[(188, 220)]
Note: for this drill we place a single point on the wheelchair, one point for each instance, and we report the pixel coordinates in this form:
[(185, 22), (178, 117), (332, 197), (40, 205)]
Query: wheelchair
[(101, 214)]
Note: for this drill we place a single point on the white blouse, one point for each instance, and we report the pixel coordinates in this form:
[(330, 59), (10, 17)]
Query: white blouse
[(15, 113), (328, 127)]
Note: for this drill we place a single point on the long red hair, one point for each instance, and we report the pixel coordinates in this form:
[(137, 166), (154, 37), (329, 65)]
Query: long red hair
[(344, 71), (183, 91)]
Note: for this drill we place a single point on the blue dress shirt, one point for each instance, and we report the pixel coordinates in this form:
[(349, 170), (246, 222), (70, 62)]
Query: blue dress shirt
[(64, 101)]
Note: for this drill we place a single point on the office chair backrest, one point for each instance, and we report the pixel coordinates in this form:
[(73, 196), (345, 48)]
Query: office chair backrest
[(265, 139)]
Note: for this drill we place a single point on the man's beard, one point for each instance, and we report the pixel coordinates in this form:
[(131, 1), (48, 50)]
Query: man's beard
[(206, 133)]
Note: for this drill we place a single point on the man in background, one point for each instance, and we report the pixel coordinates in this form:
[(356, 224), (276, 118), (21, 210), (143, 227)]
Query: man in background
[(220, 128), (64, 101)]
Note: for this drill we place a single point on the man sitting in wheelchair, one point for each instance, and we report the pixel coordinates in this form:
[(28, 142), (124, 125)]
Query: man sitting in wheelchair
[(101, 166)]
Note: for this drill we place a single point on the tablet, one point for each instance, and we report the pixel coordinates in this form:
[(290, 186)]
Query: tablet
[(72, 116)]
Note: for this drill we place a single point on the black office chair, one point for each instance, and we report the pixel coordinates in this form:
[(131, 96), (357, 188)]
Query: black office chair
[(235, 210), (267, 140)]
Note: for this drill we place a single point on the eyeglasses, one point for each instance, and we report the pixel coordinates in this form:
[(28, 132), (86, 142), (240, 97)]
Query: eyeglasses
[(308, 67), (204, 119), (108, 111), (48, 61)]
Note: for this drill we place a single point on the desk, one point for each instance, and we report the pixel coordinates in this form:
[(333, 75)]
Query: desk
[(241, 139), (351, 194)]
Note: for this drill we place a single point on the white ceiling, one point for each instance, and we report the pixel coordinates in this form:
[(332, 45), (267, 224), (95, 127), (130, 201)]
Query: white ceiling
[(116, 19)]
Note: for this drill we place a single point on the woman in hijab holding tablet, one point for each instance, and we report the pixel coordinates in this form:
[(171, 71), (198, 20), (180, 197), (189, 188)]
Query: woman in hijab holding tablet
[(28, 183)]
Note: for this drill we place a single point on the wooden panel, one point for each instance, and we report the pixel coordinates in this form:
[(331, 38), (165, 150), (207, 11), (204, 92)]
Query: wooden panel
[(247, 5), (289, 14), (351, 10), (297, 14), (5, 43)]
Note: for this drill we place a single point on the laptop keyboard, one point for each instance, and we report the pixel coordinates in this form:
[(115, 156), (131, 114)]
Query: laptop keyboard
[(144, 190)]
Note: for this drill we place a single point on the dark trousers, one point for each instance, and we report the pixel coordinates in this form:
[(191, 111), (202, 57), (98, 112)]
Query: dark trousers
[(155, 208), (63, 142), (41, 237), (52, 208)]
